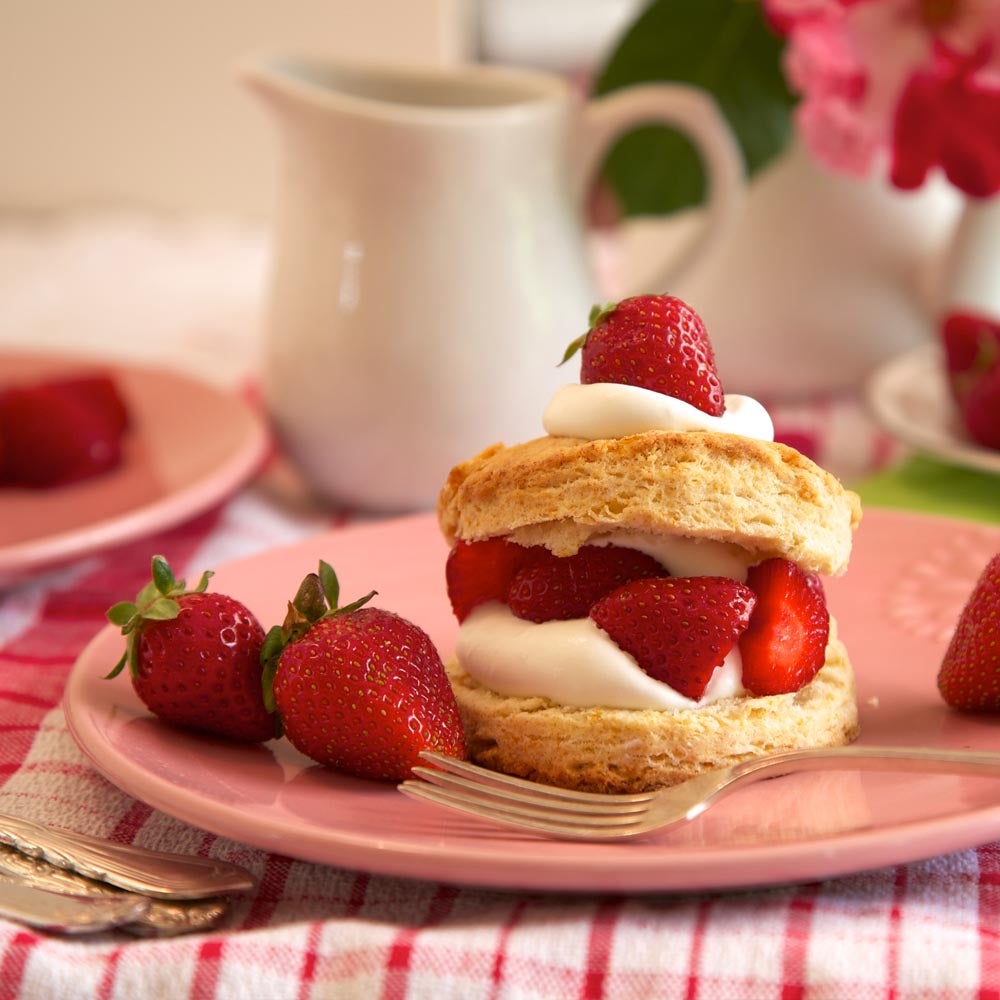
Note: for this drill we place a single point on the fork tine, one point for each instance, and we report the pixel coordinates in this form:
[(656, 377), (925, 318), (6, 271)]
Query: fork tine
[(601, 805), (484, 776), (514, 815)]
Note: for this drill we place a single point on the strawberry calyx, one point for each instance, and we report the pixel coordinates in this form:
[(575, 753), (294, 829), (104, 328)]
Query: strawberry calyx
[(316, 599), (157, 601), (598, 314)]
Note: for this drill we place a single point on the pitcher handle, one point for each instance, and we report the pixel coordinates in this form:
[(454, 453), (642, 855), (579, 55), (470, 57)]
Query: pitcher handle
[(693, 112)]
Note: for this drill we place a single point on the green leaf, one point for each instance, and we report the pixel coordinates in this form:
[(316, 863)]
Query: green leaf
[(573, 347), (121, 614), (722, 46), (203, 582), (354, 605), (599, 312), (163, 575), (270, 653), (118, 667), (147, 595), (162, 609), (331, 585)]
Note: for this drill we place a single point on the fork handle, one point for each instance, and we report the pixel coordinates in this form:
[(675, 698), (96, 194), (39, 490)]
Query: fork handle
[(871, 758)]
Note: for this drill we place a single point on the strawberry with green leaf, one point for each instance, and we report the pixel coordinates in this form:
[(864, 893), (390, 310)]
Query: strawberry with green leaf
[(655, 342), (194, 657), (358, 688)]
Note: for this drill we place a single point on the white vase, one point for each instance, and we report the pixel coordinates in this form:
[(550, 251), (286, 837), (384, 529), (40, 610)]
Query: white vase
[(971, 280)]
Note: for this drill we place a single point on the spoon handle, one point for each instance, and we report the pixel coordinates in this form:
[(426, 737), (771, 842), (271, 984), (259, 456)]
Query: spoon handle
[(152, 873), (62, 914)]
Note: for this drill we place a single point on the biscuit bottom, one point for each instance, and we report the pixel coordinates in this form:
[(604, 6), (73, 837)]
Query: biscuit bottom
[(636, 750)]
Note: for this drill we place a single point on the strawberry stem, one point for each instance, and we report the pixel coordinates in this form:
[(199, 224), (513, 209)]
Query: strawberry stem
[(315, 600), (599, 313)]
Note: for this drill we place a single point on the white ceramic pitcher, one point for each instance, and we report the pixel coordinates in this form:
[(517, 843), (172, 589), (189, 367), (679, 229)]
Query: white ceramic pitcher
[(430, 258)]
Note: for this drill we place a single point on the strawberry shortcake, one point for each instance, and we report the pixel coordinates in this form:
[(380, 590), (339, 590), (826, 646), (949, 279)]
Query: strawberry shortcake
[(640, 591)]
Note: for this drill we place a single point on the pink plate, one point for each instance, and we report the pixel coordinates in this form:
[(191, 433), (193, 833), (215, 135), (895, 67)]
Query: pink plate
[(189, 446), (909, 577)]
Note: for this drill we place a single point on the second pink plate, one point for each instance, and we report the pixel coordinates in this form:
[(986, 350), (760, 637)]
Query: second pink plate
[(189, 446), (909, 577)]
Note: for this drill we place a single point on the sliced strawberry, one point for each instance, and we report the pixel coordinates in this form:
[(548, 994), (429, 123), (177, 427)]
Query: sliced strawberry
[(52, 438), (980, 409), (656, 342), (785, 645), (477, 572), (969, 677), (971, 349), (558, 588), (100, 393), (677, 629)]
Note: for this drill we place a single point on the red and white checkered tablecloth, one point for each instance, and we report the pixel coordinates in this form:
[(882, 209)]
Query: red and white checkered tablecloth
[(927, 931)]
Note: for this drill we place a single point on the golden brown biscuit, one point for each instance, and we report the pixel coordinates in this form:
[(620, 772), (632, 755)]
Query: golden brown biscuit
[(628, 750), (561, 492)]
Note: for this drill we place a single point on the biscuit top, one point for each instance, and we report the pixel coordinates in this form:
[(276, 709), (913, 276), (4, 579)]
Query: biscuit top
[(564, 492)]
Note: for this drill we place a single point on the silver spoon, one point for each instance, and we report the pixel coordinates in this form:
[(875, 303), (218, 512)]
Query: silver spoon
[(137, 869), (59, 913)]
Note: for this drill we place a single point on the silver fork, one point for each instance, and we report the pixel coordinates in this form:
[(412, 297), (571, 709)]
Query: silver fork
[(572, 815)]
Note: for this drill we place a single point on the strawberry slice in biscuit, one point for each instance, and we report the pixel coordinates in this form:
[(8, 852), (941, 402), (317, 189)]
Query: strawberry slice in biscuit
[(639, 589)]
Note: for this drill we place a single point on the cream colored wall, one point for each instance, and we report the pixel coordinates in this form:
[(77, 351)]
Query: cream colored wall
[(133, 102)]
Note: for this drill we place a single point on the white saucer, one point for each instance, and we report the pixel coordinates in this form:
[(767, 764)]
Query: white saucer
[(909, 396)]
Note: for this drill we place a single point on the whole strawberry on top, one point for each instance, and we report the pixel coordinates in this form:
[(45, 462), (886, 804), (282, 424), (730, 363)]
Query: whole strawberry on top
[(358, 689), (969, 677), (194, 657), (655, 342)]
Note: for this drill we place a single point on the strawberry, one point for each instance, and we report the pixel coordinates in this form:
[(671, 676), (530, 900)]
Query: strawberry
[(785, 644), (980, 409), (194, 657), (100, 393), (358, 689), (477, 572), (677, 629), (969, 677), (971, 347), (53, 437), (657, 342), (547, 587)]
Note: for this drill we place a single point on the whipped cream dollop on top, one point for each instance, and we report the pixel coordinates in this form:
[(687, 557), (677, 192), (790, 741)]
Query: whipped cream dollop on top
[(575, 662), (608, 410)]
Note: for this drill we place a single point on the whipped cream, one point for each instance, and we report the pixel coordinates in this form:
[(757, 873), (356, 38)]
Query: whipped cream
[(608, 410), (572, 663), (682, 556)]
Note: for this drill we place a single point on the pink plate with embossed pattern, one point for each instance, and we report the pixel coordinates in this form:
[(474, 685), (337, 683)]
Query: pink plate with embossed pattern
[(896, 606), (189, 445)]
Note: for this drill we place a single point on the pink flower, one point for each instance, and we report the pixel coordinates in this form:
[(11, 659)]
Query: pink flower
[(947, 118), (917, 79)]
